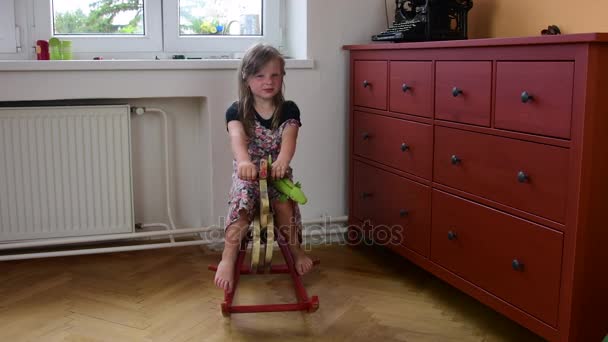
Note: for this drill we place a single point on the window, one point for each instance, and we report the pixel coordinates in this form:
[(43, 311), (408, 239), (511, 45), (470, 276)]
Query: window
[(96, 26), (8, 41), (95, 17), (220, 17), (220, 25), (159, 26)]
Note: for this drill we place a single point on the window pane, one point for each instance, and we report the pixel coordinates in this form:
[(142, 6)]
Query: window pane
[(7, 27), (220, 17), (106, 17)]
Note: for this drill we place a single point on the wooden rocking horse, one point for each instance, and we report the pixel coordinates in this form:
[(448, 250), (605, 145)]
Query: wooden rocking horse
[(263, 235)]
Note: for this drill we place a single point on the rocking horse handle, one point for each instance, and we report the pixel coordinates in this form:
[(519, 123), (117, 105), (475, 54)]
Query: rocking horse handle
[(263, 168)]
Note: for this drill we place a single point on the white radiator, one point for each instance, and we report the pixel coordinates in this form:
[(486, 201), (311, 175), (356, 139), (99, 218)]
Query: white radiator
[(65, 171)]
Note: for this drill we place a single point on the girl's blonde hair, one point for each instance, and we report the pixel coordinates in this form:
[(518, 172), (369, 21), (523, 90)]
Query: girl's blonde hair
[(253, 61)]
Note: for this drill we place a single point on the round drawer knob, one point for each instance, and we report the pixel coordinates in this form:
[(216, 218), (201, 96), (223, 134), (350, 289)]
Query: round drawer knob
[(365, 195), (404, 147), (405, 87), (525, 97), (517, 265), (522, 177), (455, 160), (365, 135), (451, 235), (403, 212), (366, 84), (456, 91)]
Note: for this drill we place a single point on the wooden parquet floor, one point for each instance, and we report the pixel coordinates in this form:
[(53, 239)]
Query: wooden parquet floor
[(366, 294)]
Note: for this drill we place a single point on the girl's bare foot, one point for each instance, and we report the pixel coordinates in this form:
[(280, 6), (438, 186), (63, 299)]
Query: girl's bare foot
[(302, 262), (224, 276)]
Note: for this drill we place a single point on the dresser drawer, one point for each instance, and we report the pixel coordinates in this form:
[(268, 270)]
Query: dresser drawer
[(463, 91), (399, 209), (410, 87), (407, 211), (534, 97), (405, 145), (370, 84), (524, 175), (514, 259), (366, 203)]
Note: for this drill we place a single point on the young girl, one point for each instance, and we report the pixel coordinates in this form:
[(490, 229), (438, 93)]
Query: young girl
[(260, 124)]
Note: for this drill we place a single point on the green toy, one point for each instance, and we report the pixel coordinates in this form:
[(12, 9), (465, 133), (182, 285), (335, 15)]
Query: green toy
[(287, 188)]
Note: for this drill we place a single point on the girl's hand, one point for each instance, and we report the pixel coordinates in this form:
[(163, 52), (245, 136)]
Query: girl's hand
[(279, 168), (246, 171)]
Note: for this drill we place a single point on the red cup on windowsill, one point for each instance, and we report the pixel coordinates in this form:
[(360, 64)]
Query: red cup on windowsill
[(42, 50)]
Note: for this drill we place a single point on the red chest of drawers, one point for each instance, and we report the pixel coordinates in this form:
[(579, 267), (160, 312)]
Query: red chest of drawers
[(485, 162)]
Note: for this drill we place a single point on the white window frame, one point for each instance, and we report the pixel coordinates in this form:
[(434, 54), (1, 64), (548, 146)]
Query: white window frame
[(8, 31), (272, 30), (152, 41)]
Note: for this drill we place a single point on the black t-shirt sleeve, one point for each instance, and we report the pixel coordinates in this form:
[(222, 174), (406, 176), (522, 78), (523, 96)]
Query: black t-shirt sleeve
[(232, 113), (291, 111)]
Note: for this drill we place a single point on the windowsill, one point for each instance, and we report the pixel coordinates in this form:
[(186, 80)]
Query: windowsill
[(137, 64)]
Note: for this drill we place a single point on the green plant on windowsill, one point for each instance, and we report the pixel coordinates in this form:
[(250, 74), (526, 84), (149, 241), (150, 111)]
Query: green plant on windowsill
[(211, 27), (206, 26)]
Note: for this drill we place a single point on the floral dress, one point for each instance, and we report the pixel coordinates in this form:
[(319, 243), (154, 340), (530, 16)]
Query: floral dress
[(246, 194)]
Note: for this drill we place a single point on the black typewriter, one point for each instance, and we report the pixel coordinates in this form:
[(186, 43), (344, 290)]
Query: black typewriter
[(423, 20)]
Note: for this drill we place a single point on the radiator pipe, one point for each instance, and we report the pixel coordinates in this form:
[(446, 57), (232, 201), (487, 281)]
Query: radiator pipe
[(126, 236), (100, 250), (85, 251), (102, 238), (140, 111)]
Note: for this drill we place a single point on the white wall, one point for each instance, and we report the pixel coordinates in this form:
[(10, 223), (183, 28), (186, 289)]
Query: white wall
[(196, 101)]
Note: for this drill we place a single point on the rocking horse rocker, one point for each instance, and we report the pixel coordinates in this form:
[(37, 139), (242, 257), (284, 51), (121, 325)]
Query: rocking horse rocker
[(263, 235)]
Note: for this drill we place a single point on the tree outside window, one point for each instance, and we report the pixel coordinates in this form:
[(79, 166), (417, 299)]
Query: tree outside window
[(76, 17), (125, 17)]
